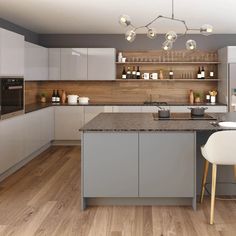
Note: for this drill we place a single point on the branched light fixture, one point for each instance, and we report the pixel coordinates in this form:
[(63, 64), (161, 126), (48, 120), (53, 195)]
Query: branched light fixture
[(170, 37)]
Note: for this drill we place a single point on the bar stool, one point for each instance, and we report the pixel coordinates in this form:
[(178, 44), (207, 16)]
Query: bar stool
[(219, 149)]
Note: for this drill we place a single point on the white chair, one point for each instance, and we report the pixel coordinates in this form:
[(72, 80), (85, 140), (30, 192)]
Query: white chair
[(219, 149)]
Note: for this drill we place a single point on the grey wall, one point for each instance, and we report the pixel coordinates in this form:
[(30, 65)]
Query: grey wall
[(117, 41), (29, 35)]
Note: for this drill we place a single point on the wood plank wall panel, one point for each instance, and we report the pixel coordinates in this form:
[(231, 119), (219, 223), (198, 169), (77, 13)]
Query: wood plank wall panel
[(119, 91)]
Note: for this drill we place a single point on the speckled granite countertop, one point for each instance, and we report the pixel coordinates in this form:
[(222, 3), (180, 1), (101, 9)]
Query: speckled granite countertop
[(115, 122), (38, 106)]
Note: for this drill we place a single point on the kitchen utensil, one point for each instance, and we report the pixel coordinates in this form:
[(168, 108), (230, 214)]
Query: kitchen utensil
[(197, 111), (72, 99), (154, 76), (227, 124), (163, 113), (83, 100), (145, 75)]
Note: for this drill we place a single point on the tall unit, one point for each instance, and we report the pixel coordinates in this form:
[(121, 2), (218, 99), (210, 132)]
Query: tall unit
[(227, 76)]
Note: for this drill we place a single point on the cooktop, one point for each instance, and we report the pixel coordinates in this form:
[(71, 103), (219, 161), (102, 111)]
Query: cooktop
[(184, 116)]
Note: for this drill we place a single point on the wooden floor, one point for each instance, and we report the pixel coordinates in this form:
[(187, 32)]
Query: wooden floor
[(43, 198)]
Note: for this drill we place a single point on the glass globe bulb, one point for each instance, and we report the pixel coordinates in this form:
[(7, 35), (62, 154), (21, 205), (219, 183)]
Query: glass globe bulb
[(206, 30), (125, 20), (171, 36), (151, 33), (167, 45), (191, 45), (130, 35)]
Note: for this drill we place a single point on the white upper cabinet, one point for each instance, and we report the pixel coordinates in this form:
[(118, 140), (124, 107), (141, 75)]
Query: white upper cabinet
[(11, 53), (101, 64), (36, 62), (54, 63), (74, 64)]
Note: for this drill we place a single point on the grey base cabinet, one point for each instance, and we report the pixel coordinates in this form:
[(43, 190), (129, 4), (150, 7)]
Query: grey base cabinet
[(166, 164), (124, 164), (110, 164)]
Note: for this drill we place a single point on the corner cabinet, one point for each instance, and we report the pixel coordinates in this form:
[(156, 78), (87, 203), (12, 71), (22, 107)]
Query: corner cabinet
[(68, 121), (54, 63), (11, 53), (74, 64), (101, 64), (36, 62)]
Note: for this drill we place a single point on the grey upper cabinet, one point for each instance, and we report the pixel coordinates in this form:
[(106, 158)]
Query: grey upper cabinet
[(74, 64), (101, 64), (54, 63)]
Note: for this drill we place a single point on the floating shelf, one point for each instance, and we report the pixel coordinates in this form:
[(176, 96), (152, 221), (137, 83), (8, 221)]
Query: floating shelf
[(169, 80), (170, 62)]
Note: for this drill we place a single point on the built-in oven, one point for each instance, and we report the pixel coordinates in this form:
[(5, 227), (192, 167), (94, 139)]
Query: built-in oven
[(11, 97)]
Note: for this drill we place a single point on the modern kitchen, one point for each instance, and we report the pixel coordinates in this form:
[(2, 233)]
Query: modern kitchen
[(117, 119)]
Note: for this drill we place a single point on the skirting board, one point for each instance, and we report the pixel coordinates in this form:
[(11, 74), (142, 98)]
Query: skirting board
[(66, 142), (139, 201), (23, 162)]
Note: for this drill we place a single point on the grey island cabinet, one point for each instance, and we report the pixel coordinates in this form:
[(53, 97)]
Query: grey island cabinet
[(131, 159)]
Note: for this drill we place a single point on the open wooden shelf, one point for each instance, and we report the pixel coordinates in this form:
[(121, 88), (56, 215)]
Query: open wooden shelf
[(170, 62), (168, 80)]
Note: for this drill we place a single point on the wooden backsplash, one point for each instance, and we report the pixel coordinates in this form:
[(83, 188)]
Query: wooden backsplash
[(118, 91)]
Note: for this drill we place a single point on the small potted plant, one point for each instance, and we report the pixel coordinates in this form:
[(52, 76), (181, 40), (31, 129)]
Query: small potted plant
[(43, 97), (197, 97)]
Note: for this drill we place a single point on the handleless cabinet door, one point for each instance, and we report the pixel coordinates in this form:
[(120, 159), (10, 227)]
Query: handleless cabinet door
[(36, 62), (68, 121), (11, 142), (74, 64), (101, 64), (54, 62), (167, 164), (11, 53), (110, 162), (46, 125)]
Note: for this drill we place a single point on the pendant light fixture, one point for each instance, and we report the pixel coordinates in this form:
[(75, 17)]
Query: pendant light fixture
[(170, 36)]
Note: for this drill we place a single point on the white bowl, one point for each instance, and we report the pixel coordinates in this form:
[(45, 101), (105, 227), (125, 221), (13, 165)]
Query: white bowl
[(83, 100)]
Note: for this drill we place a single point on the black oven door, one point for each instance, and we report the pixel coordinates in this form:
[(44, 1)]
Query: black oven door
[(12, 95)]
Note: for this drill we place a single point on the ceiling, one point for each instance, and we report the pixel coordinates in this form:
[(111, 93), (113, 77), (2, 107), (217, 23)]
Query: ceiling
[(101, 16)]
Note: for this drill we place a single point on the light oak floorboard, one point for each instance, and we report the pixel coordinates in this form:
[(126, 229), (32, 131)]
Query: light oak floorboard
[(43, 198)]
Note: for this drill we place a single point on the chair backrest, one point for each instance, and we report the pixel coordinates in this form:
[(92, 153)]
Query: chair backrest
[(220, 148)]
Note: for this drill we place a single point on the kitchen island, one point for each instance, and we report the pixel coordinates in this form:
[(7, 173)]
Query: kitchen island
[(132, 159)]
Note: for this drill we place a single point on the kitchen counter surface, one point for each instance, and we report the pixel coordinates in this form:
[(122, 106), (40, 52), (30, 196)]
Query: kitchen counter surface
[(37, 106), (115, 122)]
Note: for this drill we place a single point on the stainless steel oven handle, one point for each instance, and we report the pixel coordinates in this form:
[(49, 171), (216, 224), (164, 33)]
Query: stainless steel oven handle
[(15, 87)]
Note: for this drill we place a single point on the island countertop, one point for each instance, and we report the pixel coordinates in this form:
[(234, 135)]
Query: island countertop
[(115, 122)]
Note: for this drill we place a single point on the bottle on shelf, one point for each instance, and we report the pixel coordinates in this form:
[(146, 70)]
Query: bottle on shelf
[(191, 97), (199, 74), (124, 73), (171, 74), (53, 96), (58, 99), (161, 76), (138, 74), (133, 73), (128, 74), (202, 73)]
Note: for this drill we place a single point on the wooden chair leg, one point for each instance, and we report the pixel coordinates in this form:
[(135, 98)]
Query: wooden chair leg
[(213, 192), (206, 166)]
